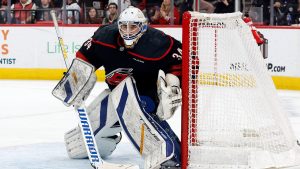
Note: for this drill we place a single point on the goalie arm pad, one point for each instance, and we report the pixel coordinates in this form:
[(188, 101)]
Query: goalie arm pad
[(169, 94), (76, 84)]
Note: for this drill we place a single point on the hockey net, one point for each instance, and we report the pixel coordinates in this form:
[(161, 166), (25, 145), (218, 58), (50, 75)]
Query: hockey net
[(231, 113)]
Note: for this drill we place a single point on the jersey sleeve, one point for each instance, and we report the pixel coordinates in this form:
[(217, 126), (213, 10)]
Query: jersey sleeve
[(174, 59), (89, 52)]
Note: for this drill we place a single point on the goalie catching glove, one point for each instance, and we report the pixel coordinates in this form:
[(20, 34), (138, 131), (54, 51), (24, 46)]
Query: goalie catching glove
[(169, 94), (76, 84)]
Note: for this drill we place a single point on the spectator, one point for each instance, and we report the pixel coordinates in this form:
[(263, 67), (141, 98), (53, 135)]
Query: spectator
[(165, 11), (3, 13), (153, 3), (186, 5), (297, 16), (73, 11), (141, 4), (266, 10), (224, 6), (43, 11), (285, 12), (153, 14), (3, 3), (279, 14), (112, 15), (23, 17), (157, 2), (290, 9), (37, 2), (57, 3), (92, 17), (206, 6), (123, 5)]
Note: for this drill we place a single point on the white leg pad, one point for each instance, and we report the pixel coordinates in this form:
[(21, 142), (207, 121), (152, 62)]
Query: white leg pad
[(102, 116), (147, 136), (103, 122)]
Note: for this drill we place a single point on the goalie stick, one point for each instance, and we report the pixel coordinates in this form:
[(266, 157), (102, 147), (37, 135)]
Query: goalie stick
[(89, 140)]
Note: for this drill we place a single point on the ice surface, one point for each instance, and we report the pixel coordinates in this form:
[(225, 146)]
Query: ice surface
[(33, 123)]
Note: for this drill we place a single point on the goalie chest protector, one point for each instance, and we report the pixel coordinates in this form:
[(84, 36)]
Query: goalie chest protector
[(155, 50)]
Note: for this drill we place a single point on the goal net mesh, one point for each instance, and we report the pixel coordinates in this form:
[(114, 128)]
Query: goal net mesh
[(235, 118)]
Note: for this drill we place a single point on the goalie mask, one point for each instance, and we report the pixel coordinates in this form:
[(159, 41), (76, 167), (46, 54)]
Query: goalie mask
[(132, 24)]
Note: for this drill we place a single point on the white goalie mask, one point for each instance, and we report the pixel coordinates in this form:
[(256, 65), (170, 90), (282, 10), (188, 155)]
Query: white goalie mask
[(132, 24)]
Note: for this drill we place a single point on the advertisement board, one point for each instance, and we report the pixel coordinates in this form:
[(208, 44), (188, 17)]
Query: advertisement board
[(34, 52)]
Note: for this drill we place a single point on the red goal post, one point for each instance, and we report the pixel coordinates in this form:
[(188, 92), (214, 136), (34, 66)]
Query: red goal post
[(231, 115)]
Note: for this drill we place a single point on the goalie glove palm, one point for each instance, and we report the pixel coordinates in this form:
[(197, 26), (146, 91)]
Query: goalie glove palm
[(169, 95)]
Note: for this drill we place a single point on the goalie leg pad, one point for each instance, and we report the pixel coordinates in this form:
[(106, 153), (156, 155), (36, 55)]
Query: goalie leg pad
[(104, 123), (76, 148), (147, 135), (175, 161), (102, 116)]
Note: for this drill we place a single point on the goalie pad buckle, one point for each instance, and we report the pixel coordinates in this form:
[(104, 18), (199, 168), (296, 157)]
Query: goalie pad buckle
[(76, 84)]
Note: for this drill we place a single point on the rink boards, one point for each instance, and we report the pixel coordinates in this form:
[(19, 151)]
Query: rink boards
[(33, 52)]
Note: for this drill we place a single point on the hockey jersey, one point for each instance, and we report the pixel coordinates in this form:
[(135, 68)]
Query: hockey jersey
[(155, 50)]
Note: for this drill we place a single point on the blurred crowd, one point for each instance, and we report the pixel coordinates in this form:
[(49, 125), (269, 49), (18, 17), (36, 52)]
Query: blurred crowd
[(164, 12)]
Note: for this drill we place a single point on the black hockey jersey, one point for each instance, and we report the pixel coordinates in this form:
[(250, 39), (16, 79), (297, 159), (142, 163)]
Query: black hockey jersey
[(155, 50)]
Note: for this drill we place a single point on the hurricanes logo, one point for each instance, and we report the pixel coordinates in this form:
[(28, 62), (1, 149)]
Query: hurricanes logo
[(116, 76)]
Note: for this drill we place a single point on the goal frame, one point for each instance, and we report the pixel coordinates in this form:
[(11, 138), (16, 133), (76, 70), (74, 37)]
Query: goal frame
[(289, 153), (185, 89)]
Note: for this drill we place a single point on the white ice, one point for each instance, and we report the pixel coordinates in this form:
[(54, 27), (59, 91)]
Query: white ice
[(33, 122)]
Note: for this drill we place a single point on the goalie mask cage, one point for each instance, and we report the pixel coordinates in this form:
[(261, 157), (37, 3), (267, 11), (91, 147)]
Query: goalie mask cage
[(231, 115)]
